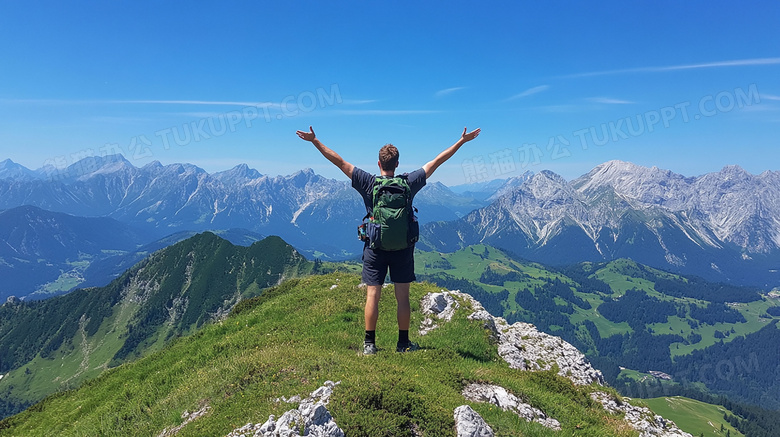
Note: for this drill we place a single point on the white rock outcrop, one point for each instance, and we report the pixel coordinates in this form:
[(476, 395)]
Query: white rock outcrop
[(505, 400), (437, 305), (311, 418), (188, 417), (468, 423)]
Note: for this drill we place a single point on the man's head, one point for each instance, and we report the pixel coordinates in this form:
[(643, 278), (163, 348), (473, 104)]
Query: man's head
[(388, 158)]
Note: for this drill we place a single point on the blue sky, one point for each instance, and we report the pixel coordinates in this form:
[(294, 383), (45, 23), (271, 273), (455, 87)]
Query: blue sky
[(685, 86)]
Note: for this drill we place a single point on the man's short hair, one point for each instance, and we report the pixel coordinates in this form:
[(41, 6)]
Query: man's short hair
[(388, 157)]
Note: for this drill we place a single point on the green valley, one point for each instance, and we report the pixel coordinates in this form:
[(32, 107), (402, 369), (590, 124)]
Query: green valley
[(624, 315)]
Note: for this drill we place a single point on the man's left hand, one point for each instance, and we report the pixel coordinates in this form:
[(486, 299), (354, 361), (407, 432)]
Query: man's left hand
[(308, 136)]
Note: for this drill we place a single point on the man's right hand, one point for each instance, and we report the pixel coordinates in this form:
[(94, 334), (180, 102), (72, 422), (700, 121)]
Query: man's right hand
[(332, 156), (466, 137), (308, 136)]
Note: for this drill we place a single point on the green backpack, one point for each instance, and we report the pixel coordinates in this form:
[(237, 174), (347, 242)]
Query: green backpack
[(392, 224)]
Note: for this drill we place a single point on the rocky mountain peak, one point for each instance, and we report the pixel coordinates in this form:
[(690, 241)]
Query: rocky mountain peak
[(94, 165), (302, 177), (543, 185), (240, 174), (632, 181), (12, 170), (154, 165), (734, 171), (731, 176)]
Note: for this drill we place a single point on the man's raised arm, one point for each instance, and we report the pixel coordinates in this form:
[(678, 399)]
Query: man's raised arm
[(332, 156), (431, 166)]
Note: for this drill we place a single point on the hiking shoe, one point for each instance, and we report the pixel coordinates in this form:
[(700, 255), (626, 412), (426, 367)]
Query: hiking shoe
[(369, 349), (407, 347)]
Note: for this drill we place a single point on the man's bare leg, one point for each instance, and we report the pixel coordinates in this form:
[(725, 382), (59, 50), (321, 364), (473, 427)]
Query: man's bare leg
[(373, 293), (404, 311), (404, 315)]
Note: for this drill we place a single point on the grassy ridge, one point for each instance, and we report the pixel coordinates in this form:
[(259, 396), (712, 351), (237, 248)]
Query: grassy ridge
[(288, 342)]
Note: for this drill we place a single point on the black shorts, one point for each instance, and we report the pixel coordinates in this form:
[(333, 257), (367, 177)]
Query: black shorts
[(377, 262)]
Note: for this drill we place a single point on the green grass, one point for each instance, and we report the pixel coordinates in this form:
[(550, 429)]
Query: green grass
[(66, 281), (633, 374), (695, 417), (616, 275), (69, 367), (288, 342)]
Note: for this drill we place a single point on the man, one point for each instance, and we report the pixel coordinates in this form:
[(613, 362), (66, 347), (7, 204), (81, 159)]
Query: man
[(376, 262)]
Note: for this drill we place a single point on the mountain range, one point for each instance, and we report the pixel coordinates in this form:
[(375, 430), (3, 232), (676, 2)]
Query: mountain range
[(319, 216), (723, 226)]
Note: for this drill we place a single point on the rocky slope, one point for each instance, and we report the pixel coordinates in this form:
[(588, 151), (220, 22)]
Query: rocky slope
[(523, 347)]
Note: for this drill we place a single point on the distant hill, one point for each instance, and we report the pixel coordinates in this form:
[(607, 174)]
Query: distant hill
[(59, 342), (46, 253), (103, 271)]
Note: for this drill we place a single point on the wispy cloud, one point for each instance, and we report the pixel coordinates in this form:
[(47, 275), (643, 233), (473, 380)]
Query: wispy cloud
[(530, 91), (717, 64), (448, 91), (384, 112), (769, 97), (357, 102), (194, 102), (52, 101), (133, 102), (610, 101)]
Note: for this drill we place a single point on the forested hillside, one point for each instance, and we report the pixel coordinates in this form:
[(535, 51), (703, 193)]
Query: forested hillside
[(59, 342)]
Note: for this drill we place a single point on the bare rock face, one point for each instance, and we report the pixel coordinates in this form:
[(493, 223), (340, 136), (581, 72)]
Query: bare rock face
[(311, 418), (524, 347), (639, 418), (468, 423)]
